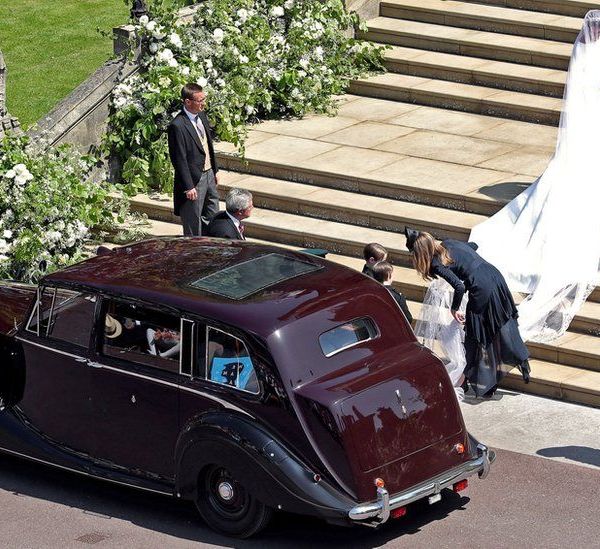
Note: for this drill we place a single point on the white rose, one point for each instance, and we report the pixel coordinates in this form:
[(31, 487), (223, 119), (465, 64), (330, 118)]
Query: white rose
[(20, 180), (175, 40), (153, 47), (10, 174), (194, 57), (288, 4), (159, 34), (249, 109), (319, 52), (165, 55), (242, 15), (20, 168), (304, 63), (218, 35), (185, 71), (164, 81), (3, 246), (151, 25), (202, 81), (277, 11), (243, 59), (7, 233), (208, 63), (172, 62), (144, 19)]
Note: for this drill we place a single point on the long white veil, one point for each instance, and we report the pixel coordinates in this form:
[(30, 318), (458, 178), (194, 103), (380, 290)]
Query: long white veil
[(546, 242)]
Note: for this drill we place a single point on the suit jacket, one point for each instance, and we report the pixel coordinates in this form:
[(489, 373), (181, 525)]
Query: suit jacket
[(187, 155), (222, 226), (401, 301)]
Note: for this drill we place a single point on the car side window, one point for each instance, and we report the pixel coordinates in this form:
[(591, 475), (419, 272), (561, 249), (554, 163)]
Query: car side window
[(141, 335), (228, 361), (64, 315)]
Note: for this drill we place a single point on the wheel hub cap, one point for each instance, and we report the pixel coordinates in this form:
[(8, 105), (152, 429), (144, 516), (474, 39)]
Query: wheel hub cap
[(225, 491)]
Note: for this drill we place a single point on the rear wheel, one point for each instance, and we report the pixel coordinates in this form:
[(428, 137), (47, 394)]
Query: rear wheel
[(227, 507)]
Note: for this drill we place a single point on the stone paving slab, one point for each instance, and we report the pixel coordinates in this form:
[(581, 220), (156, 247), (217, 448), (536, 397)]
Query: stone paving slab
[(447, 147), (367, 134)]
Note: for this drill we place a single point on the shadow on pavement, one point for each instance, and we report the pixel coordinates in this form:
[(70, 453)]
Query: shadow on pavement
[(583, 454), (504, 192), (179, 519), (472, 400)]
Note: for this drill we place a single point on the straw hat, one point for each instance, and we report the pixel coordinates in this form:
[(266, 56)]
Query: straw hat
[(112, 327)]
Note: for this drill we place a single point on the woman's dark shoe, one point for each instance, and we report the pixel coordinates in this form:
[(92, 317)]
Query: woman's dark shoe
[(490, 393), (525, 369)]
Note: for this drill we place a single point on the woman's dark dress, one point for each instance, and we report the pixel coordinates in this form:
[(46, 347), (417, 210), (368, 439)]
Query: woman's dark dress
[(492, 337)]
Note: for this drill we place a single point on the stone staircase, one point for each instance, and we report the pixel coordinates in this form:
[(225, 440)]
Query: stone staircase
[(463, 121)]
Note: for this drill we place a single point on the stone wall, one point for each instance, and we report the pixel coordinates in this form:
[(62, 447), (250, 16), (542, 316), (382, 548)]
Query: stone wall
[(7, 122)]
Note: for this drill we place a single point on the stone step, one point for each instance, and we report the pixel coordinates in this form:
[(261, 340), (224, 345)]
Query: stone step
[(581, 351), (475, 71), (346, 207), (573, 8), (462, 97), (469, 15), (547, 379), (341, 239), (470, 42)]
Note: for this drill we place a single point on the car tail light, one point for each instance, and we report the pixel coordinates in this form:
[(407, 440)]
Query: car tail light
[(459, 448), (461, 485), (397, 513), (380, 483)]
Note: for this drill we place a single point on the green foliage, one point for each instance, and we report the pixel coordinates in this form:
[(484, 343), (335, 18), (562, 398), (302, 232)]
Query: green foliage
[(256, 59), (49, 207)]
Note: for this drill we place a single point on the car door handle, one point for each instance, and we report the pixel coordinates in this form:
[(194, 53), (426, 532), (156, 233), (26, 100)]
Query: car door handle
[(94, 364)]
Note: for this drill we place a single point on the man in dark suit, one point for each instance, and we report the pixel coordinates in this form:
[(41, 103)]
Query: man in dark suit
[(228, 224), (191, 150)]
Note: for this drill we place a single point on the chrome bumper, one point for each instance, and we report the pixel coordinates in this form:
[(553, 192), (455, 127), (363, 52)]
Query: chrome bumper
[(376, 513)]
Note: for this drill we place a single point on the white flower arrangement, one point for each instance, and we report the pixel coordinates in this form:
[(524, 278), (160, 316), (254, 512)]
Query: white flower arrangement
[(254, 59)]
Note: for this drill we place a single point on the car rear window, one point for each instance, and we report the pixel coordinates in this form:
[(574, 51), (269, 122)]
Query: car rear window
[(347, 335), (244, 279)]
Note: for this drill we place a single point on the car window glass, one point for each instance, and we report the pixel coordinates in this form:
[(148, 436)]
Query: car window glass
[(64, 315), (228, 361), (142, 335), (347, 335)]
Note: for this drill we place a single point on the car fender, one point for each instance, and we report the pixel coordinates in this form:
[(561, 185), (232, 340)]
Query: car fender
[(260, 462)]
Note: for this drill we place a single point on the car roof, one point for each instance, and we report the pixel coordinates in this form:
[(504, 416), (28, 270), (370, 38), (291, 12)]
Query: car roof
[(161, 271)]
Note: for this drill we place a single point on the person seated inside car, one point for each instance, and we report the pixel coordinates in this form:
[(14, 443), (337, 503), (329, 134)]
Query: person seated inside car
[(163, 342), (126, 333)]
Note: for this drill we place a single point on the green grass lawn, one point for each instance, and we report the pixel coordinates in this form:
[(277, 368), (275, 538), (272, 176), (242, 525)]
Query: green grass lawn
[(51, 46)]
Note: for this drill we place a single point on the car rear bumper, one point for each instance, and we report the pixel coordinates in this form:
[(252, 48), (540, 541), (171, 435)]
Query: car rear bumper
[(377, 512)]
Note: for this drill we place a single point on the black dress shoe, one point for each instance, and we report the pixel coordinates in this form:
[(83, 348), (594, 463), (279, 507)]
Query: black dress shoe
[(490, 393)]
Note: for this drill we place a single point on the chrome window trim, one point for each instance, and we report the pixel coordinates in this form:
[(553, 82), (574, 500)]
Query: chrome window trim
[(38, 460), (35, 311), (50, 314), (208, 328), (377, 334), (35, 343), (193, 333)]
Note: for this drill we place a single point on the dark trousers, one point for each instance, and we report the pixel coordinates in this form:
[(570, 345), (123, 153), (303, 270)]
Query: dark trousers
[(196, 214)]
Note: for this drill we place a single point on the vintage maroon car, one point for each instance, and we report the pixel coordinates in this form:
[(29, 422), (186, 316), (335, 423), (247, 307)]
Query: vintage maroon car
[(242, 377)]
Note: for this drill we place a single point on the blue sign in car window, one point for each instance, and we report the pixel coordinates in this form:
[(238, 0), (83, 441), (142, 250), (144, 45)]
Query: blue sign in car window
[(234, 371)]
